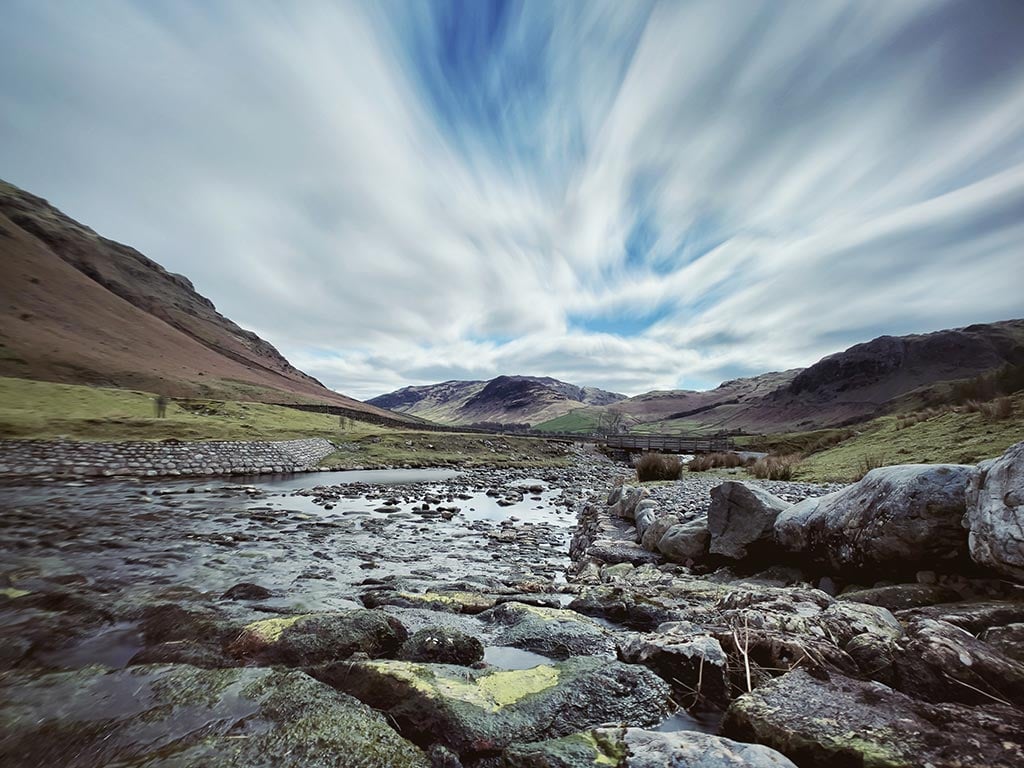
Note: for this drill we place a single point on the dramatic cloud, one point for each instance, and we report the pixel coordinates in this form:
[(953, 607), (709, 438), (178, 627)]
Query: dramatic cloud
[(627, 195)]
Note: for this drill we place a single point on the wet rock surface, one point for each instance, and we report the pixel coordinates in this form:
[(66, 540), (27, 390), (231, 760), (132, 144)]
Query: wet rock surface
[(839, 721), (637, 748), (179, 716), (493, 618), (476, 712)]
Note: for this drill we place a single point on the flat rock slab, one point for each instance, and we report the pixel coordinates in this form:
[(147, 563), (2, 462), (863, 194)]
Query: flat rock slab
[(163, 716), (637, 748), (483, 711), (844, 722), (453, 601)]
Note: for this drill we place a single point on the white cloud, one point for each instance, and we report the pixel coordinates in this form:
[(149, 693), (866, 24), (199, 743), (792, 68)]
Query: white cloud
[(854, 167)]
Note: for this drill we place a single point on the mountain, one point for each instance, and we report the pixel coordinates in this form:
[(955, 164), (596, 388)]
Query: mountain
[(81, 309), (504, 400), (862, 382)]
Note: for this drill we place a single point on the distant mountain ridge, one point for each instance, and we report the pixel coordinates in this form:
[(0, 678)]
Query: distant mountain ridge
[(502, 400), (859, 383), (81, 309)]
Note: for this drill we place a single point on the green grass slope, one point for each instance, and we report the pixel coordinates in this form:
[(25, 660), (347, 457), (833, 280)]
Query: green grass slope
[(952, 436), (44, 410), (579, 421)]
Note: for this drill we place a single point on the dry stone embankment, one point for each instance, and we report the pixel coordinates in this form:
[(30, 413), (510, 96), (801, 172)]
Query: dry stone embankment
[(21, 458)]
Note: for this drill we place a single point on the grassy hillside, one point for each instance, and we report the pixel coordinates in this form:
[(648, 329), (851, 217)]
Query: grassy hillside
[(43, 410), (952, 436), (39, 409), (580, 421)]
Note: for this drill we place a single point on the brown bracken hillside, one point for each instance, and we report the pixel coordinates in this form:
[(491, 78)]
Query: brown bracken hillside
[(79, 308)]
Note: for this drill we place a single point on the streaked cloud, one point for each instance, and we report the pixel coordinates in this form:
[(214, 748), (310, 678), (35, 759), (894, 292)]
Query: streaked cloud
[(626, 195)]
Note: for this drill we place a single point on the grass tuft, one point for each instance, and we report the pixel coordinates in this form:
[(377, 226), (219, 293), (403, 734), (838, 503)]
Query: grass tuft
[(658, 466), (776, 467)]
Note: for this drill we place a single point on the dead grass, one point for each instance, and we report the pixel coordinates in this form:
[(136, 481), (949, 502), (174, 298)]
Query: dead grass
[(706, 461), (658, 466), (776, 467)]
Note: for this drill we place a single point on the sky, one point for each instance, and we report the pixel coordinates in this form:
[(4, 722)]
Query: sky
[(631, 195)]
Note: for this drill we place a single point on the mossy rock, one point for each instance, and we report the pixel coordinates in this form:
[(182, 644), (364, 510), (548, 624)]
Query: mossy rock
[(317, 638), (637, 748), (553, 632), (442, 645), (451, 601), (484, 711), (837, 721), (164, 716)]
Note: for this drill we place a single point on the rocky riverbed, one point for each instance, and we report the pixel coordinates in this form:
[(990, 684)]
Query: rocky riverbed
[(507, 618)]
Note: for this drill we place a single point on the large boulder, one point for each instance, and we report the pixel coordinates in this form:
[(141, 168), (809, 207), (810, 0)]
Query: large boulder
[(896, 519), (483, 711), (995, 513), (637, 748), (164, 716), (623, 501), (742, 517), (655, 529), (835, 720), (316, 638), (685, 543)]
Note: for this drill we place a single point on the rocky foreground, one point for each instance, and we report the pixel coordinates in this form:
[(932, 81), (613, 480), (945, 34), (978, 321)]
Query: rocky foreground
[(440, 623)]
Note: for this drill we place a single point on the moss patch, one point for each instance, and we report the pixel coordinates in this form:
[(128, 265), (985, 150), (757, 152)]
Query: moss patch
[(489, 692)]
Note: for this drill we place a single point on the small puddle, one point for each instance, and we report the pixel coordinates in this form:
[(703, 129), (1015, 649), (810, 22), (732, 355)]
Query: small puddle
[(705, 721), (507, 657), (350, 477)]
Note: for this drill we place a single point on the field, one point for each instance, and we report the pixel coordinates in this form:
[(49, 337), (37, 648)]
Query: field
[(580, 421), (43, 410), (955, 437)]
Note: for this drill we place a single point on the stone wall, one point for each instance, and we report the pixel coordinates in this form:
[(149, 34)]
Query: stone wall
[(152, 459)]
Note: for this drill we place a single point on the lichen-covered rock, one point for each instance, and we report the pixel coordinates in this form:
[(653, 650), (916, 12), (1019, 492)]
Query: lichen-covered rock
[(896, 519), (164, 716), (620, 551), (742, 517), (837, 721), (937, 661), (442, 645), (316, 638), (899, 597), (553, 632), (975, 617), (995, 513), (453, 601), (636, 611), (484, 711), (625, 501), (685, 543), (1008, 639), (686, 657), (655, 529), (637, 748)]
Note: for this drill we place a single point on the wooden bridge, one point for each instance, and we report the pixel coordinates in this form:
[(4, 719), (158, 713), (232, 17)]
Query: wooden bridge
[(660, 443)]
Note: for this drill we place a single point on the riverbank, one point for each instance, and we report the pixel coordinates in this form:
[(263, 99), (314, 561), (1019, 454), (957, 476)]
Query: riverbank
[(478, 618)]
